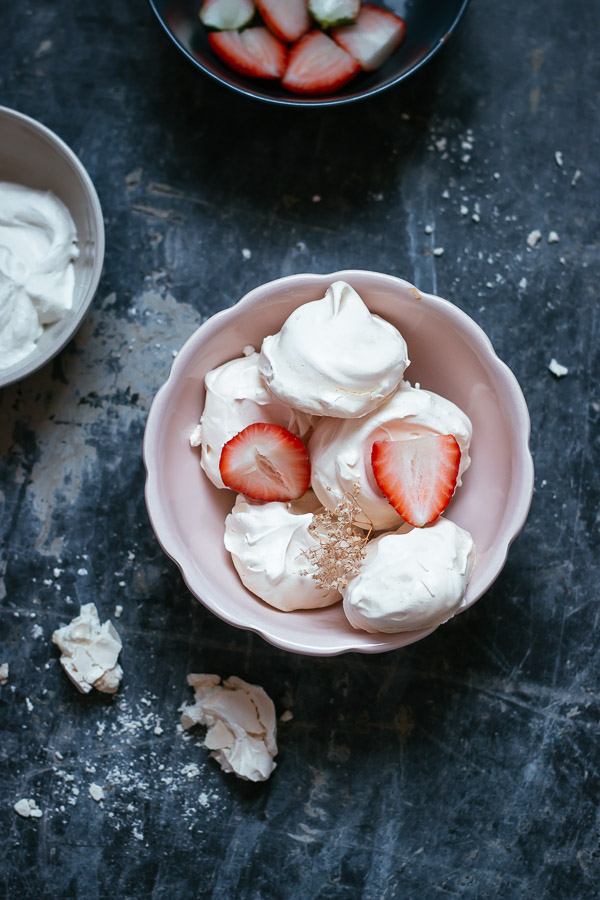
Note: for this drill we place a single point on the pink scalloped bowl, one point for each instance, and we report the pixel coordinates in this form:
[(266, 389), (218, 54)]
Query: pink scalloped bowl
[(450, 355)]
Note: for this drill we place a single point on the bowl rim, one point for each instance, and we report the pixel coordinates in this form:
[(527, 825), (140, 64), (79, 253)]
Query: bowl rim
[(312, 102), (162, 399), (32, 364)]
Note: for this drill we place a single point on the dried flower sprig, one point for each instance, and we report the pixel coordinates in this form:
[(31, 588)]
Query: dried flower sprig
[(341, 543)]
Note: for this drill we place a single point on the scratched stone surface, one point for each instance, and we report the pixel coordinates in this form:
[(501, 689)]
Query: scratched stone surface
[(463, 766)]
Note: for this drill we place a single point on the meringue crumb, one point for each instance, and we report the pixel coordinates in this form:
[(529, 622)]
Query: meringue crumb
[(553, 238), (248, 350), (196, 436), (28, 809), (558, 157), (341, 548), (534, 237), (576, 177), (286, 716), (246, 253), (3, 673), (118, 611), (428, 229), (438, 251), (557, 370), (96, 792)]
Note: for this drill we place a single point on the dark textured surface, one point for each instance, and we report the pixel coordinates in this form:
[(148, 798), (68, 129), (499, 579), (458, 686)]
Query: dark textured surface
[(463, 766)]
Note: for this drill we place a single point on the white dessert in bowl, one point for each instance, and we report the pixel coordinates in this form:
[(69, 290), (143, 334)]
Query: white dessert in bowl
[(38, 245), (412, 578), (406, 445), (44, 300), (332, 357), (450, 355), (340, 450), (269, 543), (236, 396)]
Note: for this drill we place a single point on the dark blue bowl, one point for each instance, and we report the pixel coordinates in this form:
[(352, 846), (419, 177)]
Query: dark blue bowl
[(429, 25)]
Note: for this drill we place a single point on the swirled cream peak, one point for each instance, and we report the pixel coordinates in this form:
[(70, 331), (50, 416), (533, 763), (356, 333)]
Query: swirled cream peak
[(236, 396), (333, 357), (268, 543), (340, 450), (411, 579), (37, 278)]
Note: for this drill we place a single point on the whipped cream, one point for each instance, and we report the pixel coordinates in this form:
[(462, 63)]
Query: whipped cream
[(90, 651), (236, 397), (340, 450), (411, 579), (333, 357), (37, 278), (268, 542), (240, 718)]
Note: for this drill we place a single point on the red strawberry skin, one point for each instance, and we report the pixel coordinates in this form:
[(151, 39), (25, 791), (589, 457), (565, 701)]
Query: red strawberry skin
[(266, 462), (287, 19), (417, 476), (254, 52), (318, 66)]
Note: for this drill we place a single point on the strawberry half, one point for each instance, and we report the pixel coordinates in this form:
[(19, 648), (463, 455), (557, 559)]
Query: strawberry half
[(266, 462), (318, 66), (417, 476), (254, 52), (374, 37), (226, 14), (287, 19)]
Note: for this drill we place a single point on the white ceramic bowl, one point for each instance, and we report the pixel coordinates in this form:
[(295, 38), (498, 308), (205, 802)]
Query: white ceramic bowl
[(32, 155), (450, 355)]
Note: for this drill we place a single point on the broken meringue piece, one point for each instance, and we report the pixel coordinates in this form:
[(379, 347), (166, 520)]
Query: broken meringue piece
[(90, 651), (28, 809), (240, 718)]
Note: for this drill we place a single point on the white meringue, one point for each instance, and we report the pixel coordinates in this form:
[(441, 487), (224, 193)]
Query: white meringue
[(236, 397), (333, 357), (240, 718), (340, 450), (267, 542), (411, 580)]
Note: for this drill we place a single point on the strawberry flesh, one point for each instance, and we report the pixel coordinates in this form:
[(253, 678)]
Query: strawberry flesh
[(266, 462), (318, 66), (254, 52), (374, 37), (334, 12), (287, 19), (418, 476), (226, 14)]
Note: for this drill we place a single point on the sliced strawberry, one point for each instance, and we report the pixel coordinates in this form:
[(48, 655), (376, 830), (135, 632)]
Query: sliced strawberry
[(287, 19), (417, 476), (334, 12), (226, 14), (266, 462), (374, 37), (318, 66), (254, 52)]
